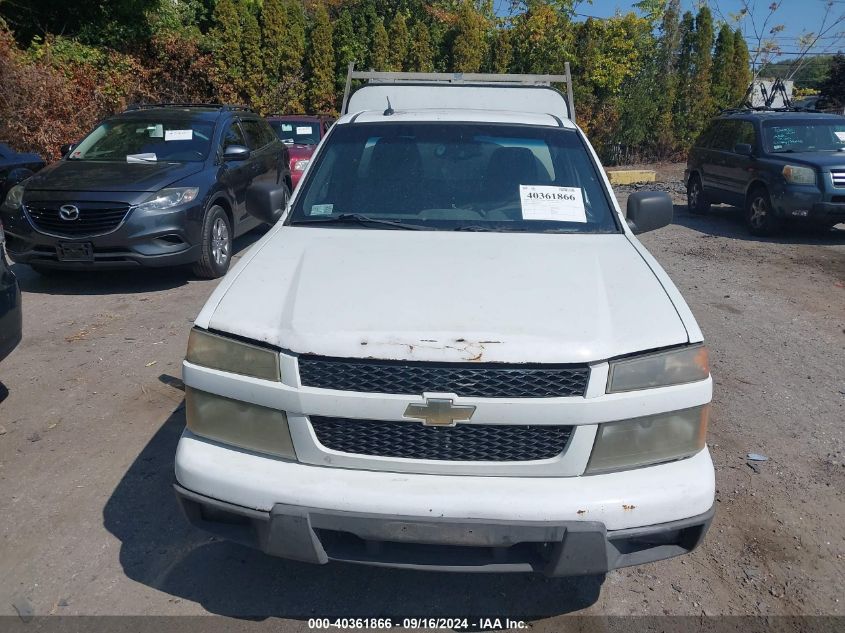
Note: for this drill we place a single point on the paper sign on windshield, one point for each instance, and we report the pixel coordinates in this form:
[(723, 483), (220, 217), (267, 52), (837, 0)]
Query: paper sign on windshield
[(178, 135), (559, 204), (304, 130), (840, 136)]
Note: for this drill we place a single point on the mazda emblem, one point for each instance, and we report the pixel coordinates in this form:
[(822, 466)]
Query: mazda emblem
[(68, 212)]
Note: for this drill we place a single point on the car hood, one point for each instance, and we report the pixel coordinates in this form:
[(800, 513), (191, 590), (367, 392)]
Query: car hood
[(67, 175), (298, 152), (824, 160), (484, 297)]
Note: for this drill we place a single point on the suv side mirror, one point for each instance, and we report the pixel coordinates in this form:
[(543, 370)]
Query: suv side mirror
[(67, 148), (649, 210), (743, 148), (267, 201), (236, 152)]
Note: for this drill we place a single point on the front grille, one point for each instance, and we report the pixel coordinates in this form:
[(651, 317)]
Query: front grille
[(838, 176), (464, 442), (95, 218), (480, 381)]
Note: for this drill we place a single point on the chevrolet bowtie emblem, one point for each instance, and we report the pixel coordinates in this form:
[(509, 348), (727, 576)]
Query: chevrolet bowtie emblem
[(439, 412)]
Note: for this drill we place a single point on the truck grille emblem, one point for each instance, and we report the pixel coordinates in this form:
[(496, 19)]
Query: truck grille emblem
[(439, 412)]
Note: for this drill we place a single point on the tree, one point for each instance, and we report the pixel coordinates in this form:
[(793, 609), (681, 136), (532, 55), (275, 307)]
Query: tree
[(740, 70), (834, 86), (289, 92), (421, 53), (274, 26), (502, 51), (345, 47), (666, 92), (469, 45), (702, 105), (226, 36), (541, 40), (723, 60), (320, 63), (686, 93), (380, 47), (399, 39), (252, 78)]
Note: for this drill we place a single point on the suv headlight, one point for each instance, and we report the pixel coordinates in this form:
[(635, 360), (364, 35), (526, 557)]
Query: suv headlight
[(169, 198), (649, 440), (796, 175), (241, 424), (14, 198), (228, 354), (673, 367)]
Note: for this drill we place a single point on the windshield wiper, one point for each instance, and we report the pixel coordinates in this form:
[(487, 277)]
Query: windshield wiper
[(359, 218), (477, 228)]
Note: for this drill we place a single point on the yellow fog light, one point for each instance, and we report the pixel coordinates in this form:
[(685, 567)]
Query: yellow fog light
[(238, 423), (649, 440)]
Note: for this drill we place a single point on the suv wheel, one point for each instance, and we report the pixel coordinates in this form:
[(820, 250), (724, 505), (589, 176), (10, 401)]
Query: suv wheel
[(216, 250), (759, 216), (697, 201)]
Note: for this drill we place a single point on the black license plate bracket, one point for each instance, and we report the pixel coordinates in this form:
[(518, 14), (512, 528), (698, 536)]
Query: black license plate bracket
[(75, 252)]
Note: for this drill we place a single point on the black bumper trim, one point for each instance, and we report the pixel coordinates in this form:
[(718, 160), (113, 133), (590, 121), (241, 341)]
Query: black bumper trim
[(569, 548)]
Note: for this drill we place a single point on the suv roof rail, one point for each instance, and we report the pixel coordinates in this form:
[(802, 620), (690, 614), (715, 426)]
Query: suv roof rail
[(510, 79), (749, 109), (218, 106)]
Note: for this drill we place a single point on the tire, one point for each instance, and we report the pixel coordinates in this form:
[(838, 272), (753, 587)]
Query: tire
[(216, 247), (759, 217), (697, 201)]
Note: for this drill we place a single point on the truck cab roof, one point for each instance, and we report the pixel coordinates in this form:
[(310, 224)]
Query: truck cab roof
[(447, 115)]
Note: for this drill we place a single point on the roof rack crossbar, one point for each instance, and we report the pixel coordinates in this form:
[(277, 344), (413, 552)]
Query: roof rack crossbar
[(219, 106), (458, 78)]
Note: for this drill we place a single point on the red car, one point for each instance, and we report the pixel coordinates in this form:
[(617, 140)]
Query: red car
[(301, 133)]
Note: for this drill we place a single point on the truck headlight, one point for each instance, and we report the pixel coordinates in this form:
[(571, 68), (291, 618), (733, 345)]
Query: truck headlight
[(673, 367), (241, 424), (649, 440), (14, 198), (169, 198), (228, 354), (796, 175)]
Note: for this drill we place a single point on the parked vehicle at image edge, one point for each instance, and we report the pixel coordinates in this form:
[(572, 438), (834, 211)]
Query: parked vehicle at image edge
[(775, 165), (15, 167), (301, 133), (452, 353), (158, 185), (10, 304)]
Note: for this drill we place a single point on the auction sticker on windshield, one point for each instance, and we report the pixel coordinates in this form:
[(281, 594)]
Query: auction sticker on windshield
[(559, 204), (178, 135)]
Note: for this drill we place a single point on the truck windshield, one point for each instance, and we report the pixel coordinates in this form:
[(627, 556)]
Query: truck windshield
[(455, 176), (151, 140), (812, 135)]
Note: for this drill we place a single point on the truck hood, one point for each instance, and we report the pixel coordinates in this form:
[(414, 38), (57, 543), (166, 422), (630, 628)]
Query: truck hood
[(451, 297), (67, 175)]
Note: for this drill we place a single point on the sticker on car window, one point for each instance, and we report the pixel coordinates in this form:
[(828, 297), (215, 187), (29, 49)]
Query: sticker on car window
[(559, 204), (178, 135), (287, 127), (307, 129), (840, 136), (156, 131), (321, 209)]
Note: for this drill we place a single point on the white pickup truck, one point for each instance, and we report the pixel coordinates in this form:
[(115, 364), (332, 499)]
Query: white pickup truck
[(451, 352)]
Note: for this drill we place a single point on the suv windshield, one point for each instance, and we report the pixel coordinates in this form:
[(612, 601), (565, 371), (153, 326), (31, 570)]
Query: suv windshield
[(297, 132), (812, 135), (136, 140), (457, 176)]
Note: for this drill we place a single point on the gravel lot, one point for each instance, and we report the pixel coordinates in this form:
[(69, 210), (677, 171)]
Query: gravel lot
[(90, 413)]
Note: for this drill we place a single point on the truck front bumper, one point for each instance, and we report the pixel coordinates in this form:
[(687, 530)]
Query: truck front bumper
[(553, 525)]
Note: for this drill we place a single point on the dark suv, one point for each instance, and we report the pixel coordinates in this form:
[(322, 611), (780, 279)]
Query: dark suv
[(776, 165), (154, 186)]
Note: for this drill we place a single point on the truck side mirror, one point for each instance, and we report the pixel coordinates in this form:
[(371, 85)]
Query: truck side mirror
[(649, 210), (267, 201)]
